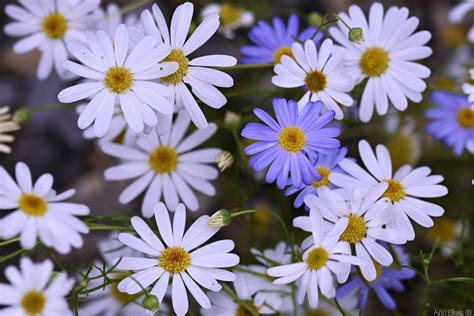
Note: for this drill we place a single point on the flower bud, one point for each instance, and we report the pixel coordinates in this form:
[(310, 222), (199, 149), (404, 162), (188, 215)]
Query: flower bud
[(232, 120), (84, 282), (224, 160), (356, 35), (151, 303), (314, 18), (22, 115), (220, 218)]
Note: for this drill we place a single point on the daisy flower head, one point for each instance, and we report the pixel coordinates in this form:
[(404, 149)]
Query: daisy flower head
[(34, 291), (232, 17), (321, 72), (119, 76), (271, 42), (367, 217), (387, 57), (48, 26), (291, 144), (406, 187), (181, 258), (458, 12), (40, 212), (452, 120), (325, 165), (194, 73), (468, 88), (7, 125), (450, 234), (326, 257), (278, 255), (168, 167)]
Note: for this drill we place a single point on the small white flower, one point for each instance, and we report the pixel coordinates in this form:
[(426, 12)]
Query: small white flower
[(468, 88), (386, 57), (39, 211), (192, 72), (115, 74), (405, 187), (166, 166), (270, 257), (367, 217), (178, 259), (232, 17), (32, 292), (321, 73), (7, 125), (326, 257), (48, 26), (457, 14)]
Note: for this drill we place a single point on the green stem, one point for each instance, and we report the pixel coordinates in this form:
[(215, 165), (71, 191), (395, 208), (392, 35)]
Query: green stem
[(227, 290), (52, 106), (10, 241), (134, 5), (101, 227)]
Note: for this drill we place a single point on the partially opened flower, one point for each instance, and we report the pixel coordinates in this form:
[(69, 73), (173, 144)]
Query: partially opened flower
[(232, 17), (40, 212), (48, 26), (386, 57), (7, 125), (452, 120), (406, 187), (321, 72), (34, 291), (167, 167), (115, 74), (181, 259), (291, 145), (195, 73)]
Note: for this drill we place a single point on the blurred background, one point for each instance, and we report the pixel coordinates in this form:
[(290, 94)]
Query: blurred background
[(52, 142)]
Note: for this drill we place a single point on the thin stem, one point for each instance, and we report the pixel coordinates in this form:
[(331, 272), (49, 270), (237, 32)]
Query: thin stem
[(341, 310), (10, 241), (134, 5), (52, 106), (227, 290), (101, 227)]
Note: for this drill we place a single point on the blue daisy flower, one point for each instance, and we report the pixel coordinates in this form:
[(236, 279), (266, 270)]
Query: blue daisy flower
[(453, 120), (270, 43), (292, 144), (325, 165), (387, 279)]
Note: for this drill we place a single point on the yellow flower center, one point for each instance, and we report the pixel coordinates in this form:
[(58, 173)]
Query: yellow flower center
[(229, 14), (284, 50), (242, 311), (54, 25), (163, 159), (118, 79), (32, 204), (175, 259), (317, 258), (443, 229), (178, 57), (324, 172), (403, 149), (355, 231), (315, 81), (122, 298), (374, 61), (291, 139), (395, 191), (465, 117), (33, 303)]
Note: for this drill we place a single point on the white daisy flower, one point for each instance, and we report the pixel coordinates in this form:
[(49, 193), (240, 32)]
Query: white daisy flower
[(232, 17), (191, 72), (115, 75), (39, 211), (367, 217), (178, 259), (112, 18), (386, 57), (458, 12), (468, 88), (48, 26), (270, 257), (326, 257), (34, 291), (322, 74), (7, 125), (166, 166), (405, 187)]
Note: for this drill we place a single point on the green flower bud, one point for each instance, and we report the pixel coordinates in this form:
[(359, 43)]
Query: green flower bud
[(84, 282), (220, 218), (314, 18), (151, 303), (356, 35), (22, 115)]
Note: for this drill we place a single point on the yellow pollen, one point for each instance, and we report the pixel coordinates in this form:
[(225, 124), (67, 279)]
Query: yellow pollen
[(163, 159), (32, 204), (54, 25), (175, 259), (317, 258), (324, 172), (118, 79), (465, 117), (395, 191), (242, 311), (122, 298), (284, 50), (355, 231), (33, 303), (178, 57), (374, 61), (292, 139), (443, 229), (315, 81), (229, 14)]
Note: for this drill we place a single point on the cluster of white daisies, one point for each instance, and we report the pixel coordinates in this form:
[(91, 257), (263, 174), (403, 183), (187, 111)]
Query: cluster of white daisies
[(141, 90)]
